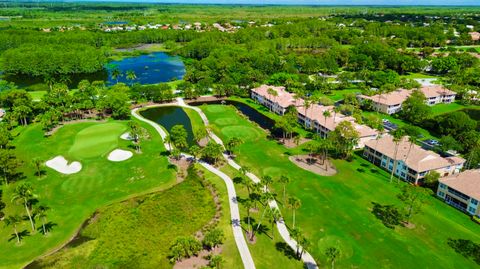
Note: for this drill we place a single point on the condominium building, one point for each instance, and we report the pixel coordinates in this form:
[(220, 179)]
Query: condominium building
[(410, 161), (461, 191), (390, 103), (278, 102), (311, 116)]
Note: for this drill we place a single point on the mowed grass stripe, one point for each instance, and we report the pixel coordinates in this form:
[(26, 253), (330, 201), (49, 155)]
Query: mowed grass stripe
[(96, 140)]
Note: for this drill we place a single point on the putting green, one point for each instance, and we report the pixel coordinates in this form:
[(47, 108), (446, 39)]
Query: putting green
[(244, 132), (97, 140), (226, 121), (216, 108)]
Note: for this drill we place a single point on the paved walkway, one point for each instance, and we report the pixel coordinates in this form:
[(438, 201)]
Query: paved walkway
[(307, 259), (232, 196)]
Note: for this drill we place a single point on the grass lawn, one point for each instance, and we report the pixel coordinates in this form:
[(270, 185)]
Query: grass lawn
[(418, 75), (97, 140), (73, 198), (195, 120), (37, 95), (229, 248), (338, 95), (133, 234), (446, 108), (336, 210)]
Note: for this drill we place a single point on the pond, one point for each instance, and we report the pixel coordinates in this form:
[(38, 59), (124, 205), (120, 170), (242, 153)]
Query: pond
[(150, 68), (169, 116), (251, 113)]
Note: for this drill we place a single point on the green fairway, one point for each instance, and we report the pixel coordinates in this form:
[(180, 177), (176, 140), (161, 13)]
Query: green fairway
[(133, 234), (96, 140), (446, 108), (336, 210), (73, 198)]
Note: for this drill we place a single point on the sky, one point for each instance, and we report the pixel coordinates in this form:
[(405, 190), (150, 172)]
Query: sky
[(304, 2)]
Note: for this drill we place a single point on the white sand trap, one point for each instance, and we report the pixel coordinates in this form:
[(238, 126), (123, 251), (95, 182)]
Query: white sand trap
[(119, 155), (61, 165), (126, 136)]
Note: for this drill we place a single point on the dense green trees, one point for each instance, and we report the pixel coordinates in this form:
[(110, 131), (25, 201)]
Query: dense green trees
[(43, 60), (414, 109)]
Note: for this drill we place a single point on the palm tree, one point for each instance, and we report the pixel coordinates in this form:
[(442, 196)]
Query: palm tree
[(336, 110), (397, 138), (116, 74), (135, 133), (13, 221), (307, 103), (413, 134), (130, 75), (332, 254), (326, 114), (274, 216), (380, 130), (23, 193), (284, 180), (267, 181), (273, 93), (37, 163), (265, 198), (294, 204), (42, 215), (248, 204)]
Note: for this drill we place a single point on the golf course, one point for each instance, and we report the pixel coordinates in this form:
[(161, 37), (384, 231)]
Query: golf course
[(74, 198), (337, 210)]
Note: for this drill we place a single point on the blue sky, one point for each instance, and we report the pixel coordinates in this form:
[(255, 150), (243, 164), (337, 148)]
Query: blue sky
[(309, 2)]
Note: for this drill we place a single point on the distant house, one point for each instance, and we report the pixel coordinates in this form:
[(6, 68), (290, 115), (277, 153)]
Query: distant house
[(461, 191), (475, 36), (390, 103), (411, 163)]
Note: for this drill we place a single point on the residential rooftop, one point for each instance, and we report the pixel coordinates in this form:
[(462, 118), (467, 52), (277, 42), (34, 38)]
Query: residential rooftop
[(466, 182), (284, 98), (419, 159), (399, 96)]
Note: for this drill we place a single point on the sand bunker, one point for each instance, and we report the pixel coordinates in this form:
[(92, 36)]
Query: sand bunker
[(61, 165), (119, 155), (126, 136)]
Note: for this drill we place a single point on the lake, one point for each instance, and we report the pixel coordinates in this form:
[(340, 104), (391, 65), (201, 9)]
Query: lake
[(169, 116), (149, 68)]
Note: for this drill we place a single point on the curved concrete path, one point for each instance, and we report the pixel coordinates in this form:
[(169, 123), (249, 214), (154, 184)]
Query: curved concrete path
[(307, 259), (232, 196)]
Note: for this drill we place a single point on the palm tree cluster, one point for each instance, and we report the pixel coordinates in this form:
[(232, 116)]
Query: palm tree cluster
[(24, 195)]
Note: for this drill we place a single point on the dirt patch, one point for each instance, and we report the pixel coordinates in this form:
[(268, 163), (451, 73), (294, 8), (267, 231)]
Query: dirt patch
[(409, 225), (203, 142), (314, 165), (197, 261), (204, 99), (291, 143), (182, 165)]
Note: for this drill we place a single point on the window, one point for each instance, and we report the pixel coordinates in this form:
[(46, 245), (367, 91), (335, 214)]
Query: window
[(474, 202), (471, 209), (442, 186), (457, 193), (441, 193)]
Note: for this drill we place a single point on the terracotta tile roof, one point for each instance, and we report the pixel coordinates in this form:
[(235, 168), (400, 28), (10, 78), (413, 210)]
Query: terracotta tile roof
[(467, 182), (436, 90), (418, 159), (399, 96), (284, 98), (474, 35), (392, 98)]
